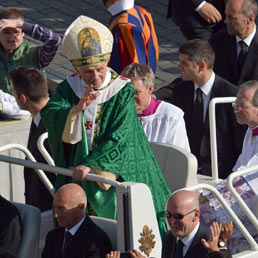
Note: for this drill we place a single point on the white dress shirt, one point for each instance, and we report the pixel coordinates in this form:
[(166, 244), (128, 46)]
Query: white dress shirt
[(247, 40), (187, 240)]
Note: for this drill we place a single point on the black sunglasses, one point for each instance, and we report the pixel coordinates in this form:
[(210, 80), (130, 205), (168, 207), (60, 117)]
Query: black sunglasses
[(176, 216)]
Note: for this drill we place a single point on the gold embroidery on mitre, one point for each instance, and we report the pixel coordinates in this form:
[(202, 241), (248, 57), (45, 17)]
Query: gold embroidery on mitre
[(90, 60), (89, 42), (146, 240)]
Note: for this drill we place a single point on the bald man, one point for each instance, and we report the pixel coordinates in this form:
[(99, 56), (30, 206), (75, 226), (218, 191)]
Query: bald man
[(185, 234), (77, 235)]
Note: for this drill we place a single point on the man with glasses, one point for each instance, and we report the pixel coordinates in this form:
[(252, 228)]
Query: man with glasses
[(246, 111), (185, 234)]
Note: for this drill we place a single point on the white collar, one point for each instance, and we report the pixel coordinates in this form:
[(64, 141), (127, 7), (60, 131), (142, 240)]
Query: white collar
[(120, 6), (76, 83), (78, 86), (207, 86), (74, 229), (36, 119), (187, 240), (248, 39)]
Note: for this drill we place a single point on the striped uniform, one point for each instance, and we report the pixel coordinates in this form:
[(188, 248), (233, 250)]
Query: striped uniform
[(135, 39)]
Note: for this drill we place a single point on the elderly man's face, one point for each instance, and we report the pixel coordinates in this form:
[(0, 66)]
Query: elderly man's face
[(244, 110), (236, 22), (93, 75), (142, 94), (182, 227)]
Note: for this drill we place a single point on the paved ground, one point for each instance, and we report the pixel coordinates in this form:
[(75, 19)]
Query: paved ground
[(59, 14)]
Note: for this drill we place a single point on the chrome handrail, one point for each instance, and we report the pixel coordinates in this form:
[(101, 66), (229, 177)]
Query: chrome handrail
[(30, 157), (58, 170), (213, 134), (236, 195), (43, 150), (247, 235)]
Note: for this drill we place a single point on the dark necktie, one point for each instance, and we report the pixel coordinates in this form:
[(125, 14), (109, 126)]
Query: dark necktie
[(242, 54), (197, 124), (179, 249), (67, 240)]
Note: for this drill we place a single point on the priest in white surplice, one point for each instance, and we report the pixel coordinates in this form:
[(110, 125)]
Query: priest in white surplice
[(246, 111), (161, 121)]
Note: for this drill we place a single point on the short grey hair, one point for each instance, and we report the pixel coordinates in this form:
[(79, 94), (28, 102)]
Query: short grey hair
[(140, 72), (249, 7), (253, 84)]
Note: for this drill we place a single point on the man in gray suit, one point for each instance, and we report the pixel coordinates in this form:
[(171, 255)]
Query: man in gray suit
[(236, 49)]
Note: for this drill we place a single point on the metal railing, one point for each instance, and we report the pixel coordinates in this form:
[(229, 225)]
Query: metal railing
[(213, 133), (94, 178), (236, 220), (58, 170), (30, 157), (43, 150), (236, 195)]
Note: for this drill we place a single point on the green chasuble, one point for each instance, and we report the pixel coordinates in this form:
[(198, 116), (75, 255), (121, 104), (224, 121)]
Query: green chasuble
[(120, 146)]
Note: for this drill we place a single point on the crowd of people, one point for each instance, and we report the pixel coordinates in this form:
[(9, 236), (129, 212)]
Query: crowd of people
[(101, 122)]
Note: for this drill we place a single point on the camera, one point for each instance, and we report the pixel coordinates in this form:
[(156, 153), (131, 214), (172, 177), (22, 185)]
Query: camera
[(125, 255)]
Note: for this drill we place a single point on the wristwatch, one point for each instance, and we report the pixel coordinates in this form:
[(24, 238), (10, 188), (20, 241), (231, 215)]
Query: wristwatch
[(222, 244)]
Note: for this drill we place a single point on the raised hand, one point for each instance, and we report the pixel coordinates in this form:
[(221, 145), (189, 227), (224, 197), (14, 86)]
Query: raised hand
[(226, 231), (210, 13), (11, 23), (87, 98), (212, 243)]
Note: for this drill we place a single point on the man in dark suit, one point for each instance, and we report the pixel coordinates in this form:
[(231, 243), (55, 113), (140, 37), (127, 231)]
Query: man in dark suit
[(77, 236), (10, 228), (31, 92), (236, 49), (185, 234), (197, 18), (192, 95)]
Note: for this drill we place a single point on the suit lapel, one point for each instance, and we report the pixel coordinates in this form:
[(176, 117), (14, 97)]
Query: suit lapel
[(186, 104), (79, 240), (249, 62), (173, 248), (60, 240), (193, 250), (35, 132), (231, 47)]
